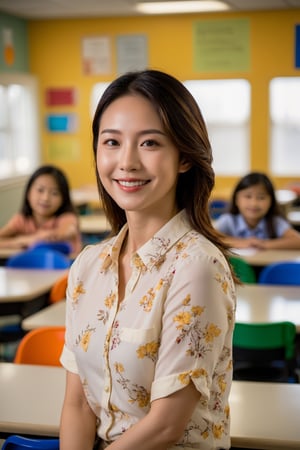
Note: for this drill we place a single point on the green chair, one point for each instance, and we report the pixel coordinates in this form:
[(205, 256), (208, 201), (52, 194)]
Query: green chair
[(264, 352), (243, 270)]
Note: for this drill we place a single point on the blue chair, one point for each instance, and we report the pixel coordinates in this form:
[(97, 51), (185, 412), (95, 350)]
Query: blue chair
[(281, 273), (60, 246), (11, 332), (15, 442), (39, 259), (217, 208)]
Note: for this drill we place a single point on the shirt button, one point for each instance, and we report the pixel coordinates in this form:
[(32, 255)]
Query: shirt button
[(106, 389)]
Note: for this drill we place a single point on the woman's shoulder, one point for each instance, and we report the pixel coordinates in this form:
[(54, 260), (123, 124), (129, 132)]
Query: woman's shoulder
[(201, 249), (93, 253)]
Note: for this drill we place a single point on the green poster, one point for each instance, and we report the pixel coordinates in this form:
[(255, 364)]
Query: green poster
[(222, 45)]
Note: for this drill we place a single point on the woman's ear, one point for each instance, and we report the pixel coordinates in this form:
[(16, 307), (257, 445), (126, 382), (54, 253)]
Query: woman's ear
[(184, 165)]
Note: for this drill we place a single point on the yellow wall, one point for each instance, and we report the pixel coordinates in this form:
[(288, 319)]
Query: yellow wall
[(55, 58)]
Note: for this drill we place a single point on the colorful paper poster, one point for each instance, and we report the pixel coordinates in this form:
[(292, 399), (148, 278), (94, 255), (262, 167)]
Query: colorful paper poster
[(63, 149), (297, 46), (222, 45), (132, 53), (96, 55), (62, 123)]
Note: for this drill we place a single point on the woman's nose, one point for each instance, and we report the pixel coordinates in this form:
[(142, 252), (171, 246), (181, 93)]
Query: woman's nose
[(129, 158)]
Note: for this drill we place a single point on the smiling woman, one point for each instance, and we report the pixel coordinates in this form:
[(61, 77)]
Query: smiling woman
[(136, 156), (150, 310)]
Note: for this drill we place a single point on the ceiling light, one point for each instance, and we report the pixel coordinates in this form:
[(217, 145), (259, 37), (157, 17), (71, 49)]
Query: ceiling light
[(178, 7)]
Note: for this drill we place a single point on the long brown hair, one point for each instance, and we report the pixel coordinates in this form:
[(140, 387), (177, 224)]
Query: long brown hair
[(185, 126)]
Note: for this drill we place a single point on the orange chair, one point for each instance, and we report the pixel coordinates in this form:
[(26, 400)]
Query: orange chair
[(58, 290), (41, 346)]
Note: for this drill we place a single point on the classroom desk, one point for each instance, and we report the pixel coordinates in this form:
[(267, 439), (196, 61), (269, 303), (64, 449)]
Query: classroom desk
[(264, 257), (51, 316), (265, 303), (31, 399), (23, 284), (255, 303), (294, 217), (6, 253), (263, 415), (20, 289), (86, 195), (93, 224)]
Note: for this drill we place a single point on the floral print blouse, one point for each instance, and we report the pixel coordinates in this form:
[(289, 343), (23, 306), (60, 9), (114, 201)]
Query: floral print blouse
[(173, 327)]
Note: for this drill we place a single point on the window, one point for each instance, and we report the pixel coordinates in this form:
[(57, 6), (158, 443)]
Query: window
[(97, 92), (225, 105), (19, 135), (285, 126)]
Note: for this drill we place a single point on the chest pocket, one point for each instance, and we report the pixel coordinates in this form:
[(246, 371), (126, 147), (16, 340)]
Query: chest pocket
[(139, 335)]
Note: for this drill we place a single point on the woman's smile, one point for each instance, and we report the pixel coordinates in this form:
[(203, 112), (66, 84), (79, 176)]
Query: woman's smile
[(136, 156)]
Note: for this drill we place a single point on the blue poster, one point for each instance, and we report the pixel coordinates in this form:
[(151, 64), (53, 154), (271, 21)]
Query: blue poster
[(297, 46)]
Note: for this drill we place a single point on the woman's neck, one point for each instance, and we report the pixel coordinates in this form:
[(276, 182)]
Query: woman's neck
[(142, 228)]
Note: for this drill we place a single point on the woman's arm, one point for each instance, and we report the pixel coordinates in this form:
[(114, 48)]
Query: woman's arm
[(164, 425), (78, 422)]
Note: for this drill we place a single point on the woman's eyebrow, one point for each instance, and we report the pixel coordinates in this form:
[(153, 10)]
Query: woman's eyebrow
[(142, 132)]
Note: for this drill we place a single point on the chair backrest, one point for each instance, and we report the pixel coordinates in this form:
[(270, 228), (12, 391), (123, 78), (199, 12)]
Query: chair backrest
[(243, 270), (39, 259), (60, 246), (15, 442), (266, 336), (217, 207), (283, 273), (41, 346), (58, 290)]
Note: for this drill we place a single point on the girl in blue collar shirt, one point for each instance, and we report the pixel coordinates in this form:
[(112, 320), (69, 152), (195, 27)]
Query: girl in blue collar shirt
[(254, 218)]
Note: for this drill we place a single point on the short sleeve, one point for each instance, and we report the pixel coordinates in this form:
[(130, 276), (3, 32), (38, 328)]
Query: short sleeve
[(67, 358), (224, 224), (198, 320), (16, 224), (281, 226)]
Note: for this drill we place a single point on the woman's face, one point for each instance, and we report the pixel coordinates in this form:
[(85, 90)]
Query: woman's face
[(253, 203), (137, 162)]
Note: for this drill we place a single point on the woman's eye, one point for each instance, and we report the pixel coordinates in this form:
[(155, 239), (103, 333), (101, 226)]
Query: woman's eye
[(149, 143), (111, 142)]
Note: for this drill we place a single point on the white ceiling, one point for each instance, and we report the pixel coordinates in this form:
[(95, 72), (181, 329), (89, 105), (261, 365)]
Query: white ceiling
[(52, 9)]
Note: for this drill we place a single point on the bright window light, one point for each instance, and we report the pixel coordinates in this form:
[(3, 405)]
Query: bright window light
[(19, 126), (97, 91), (226, 108), (178, 7), (285, 126)]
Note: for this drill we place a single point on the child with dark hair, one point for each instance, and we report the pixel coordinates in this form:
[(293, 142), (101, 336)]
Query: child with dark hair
[(46, 214), (254, 218)]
